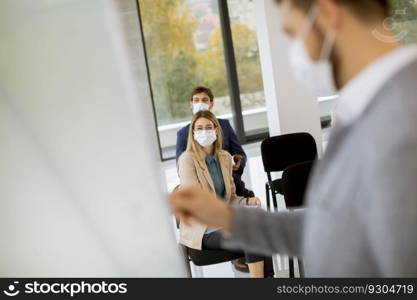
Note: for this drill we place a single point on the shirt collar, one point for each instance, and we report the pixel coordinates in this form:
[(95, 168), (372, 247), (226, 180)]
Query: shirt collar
[(359, 92)]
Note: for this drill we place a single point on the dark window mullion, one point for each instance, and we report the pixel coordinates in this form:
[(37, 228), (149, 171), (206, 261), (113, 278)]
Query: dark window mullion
[(149, 80), (231, 69)]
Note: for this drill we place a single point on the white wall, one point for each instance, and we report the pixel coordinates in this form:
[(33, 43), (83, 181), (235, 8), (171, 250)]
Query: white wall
[(290, 107)]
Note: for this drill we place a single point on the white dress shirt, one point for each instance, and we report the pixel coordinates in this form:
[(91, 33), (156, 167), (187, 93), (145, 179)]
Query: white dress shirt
[(358, 93)]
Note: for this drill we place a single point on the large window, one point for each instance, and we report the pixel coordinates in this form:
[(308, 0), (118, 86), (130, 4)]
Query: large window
[(214, 43), (242, 19), (203, 42)]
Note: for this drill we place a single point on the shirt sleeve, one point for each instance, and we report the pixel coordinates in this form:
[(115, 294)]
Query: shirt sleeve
[(390, 219), (235, 146), (233, 197), (255, 230), (181, 144)]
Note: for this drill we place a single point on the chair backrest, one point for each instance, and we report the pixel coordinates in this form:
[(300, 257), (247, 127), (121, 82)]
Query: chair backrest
[(281, 151), (294, 183), (211, 257)]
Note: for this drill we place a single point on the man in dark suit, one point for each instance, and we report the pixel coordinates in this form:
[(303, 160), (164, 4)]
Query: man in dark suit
[(202, 99)]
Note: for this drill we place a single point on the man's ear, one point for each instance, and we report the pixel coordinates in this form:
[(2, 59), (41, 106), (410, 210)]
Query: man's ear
[(211, 104), (330, 14)]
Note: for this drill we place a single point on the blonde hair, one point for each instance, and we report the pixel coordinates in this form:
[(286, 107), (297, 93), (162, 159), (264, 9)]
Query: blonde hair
[(196, 148)]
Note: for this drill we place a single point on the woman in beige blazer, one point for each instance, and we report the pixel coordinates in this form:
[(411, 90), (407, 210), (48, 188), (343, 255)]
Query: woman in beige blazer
[(204, 163)]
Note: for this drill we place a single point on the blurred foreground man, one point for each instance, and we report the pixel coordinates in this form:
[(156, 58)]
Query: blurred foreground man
[(361, 215)]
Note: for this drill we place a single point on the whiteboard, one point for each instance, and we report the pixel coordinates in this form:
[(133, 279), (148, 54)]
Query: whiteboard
[(80, 189)]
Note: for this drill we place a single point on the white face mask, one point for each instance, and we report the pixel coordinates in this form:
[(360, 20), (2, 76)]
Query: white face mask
[(199, 107), (205, 137), (314, 75)]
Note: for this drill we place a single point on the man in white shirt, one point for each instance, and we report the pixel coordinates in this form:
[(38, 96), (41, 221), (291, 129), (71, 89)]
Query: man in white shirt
[(361, 213)]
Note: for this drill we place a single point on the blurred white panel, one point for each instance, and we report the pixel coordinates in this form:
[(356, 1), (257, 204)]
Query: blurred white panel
[(79, 185)]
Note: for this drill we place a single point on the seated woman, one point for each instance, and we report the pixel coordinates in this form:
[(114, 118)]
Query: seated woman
[(205, 163)]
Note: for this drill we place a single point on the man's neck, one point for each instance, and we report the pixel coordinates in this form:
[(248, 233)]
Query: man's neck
[(361, 51)]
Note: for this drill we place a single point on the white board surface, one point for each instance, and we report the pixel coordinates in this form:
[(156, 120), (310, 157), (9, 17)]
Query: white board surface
[(80, 192)]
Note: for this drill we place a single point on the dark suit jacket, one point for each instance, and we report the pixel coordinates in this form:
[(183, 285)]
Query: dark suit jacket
[(230, 142)]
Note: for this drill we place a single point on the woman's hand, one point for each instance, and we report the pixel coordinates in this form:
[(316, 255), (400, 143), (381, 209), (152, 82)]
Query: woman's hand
[(254, 201), (237, 160)]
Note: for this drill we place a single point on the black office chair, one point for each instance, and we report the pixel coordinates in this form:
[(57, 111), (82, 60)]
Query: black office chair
[(294, 184), (206, 257), (280, 152), (211, 257)]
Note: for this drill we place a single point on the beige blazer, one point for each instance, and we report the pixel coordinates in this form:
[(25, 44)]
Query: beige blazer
[(195, 172)]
